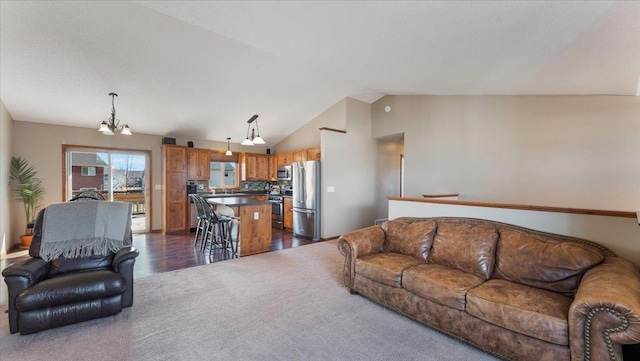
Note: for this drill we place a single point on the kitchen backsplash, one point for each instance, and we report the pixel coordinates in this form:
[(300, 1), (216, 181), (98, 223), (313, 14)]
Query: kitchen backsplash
[(256, 186)]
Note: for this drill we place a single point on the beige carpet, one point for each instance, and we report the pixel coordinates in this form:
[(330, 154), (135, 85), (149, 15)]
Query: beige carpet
[(285, 305)]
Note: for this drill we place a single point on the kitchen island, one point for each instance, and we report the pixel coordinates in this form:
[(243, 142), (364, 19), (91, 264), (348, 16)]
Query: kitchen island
[(254, 226)]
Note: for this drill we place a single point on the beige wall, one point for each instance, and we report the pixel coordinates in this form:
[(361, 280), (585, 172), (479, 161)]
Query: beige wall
[(387, 174), (308, 136), (348, 165), (6, 230), (566, 151), (41, 144)]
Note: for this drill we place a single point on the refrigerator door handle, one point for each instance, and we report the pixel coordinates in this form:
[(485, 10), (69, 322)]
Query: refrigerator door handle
[(303, 211)]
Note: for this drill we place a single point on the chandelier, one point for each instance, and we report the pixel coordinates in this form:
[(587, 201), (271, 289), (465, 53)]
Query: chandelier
[(252, 138), (110, 126)]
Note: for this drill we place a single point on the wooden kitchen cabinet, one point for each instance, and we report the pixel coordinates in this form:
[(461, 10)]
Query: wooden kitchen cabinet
[(300, 155), (199, 161), (313, 154), (273, 167), (284, 159), (174, 189), (288, 213), (256, 167)]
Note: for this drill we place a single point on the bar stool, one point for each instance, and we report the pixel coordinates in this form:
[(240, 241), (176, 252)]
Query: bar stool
[(200, 228), (210, 233), (230, 233)]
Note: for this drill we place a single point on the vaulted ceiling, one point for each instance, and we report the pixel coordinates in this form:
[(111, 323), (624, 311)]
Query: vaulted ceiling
[(201, 69)]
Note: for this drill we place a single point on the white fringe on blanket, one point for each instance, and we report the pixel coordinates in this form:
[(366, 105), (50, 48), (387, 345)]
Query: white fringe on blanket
[(83, 229)]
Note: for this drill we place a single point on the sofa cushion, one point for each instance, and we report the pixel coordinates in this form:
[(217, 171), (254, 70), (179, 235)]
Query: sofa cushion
[(543, 262), (465, 247), (385, 267), (411, 239), (444, 285), (71, 288), (527, 310)]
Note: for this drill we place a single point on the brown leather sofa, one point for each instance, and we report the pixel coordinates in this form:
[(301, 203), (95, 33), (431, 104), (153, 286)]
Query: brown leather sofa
[(517, 293)]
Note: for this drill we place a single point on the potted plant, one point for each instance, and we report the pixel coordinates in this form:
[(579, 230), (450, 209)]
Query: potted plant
[(28, 189)]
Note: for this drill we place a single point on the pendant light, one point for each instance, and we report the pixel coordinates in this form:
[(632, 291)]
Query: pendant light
[(228, 152), (252, 138)]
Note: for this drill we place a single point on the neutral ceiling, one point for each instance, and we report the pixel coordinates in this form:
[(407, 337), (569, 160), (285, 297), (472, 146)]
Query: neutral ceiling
[(201, 69)]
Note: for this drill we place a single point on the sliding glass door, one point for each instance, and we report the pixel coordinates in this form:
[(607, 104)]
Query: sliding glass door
[(119, 175)]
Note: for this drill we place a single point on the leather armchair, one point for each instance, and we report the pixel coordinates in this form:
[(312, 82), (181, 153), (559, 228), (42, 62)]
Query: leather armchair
[(45, 295)]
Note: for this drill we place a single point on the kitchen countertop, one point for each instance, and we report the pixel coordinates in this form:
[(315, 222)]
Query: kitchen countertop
[(235, 201), (230, 195)]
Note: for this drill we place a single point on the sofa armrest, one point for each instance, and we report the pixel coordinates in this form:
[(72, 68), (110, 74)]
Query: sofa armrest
[(606, 311), (18, 277), (357, 244)]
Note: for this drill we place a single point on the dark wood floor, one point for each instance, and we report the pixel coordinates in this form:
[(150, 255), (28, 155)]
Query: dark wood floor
[(162, 253)]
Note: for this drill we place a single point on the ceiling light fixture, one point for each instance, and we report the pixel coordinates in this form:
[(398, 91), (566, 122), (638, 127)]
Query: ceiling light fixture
[(252, 138), (228, 152), (110, 126)]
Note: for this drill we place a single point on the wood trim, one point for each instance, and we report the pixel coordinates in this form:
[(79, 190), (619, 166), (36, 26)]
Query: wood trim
[(334, 130), (594, 212), (440, 195), (329, 238)]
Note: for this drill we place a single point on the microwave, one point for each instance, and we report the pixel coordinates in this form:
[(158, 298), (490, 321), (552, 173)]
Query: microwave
[(284, 173)]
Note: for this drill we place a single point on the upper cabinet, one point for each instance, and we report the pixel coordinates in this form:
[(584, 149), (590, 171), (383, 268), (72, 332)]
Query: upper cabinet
[(198, 164), (300, 155), (174, 158), (313, 154), (273, 167), (256, 167), (284, 159), (297, 156)]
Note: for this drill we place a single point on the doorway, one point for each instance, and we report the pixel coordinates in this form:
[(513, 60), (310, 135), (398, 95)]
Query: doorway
[(117, 174)]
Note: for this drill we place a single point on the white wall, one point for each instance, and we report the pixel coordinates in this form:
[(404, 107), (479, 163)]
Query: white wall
[(6, 230), (308, 136), (41, 145), (566, 151), (348, 165), (621, 235)]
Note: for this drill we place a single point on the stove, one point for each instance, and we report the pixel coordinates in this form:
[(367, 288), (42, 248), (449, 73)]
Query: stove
[(277, 210)]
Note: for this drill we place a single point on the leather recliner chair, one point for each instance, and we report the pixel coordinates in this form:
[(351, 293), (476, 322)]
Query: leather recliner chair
[(45, 295)]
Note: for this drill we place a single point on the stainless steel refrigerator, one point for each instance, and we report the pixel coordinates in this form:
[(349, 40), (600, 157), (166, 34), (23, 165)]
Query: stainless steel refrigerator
[(306, 199)]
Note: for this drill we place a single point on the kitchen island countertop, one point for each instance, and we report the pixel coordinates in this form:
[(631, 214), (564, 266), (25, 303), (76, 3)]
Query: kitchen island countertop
[(235, 201)]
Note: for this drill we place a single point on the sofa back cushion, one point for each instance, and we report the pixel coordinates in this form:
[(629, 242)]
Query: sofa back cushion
[(469, 248), (411, 239), (543, 262)]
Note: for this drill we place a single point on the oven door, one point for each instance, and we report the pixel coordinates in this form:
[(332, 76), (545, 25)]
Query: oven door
[(277, 214)]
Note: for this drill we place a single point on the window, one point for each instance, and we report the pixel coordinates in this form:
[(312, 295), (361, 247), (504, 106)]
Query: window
[(88, 171), (223, 174)]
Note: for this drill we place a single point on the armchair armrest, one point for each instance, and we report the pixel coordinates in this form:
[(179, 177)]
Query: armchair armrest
[(606, 311), (123, 263), (34, 269), (124, 254), (18, 277), (357, 244)]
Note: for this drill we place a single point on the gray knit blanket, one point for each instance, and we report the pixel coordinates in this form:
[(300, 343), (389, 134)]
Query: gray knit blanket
[(82, 229)]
